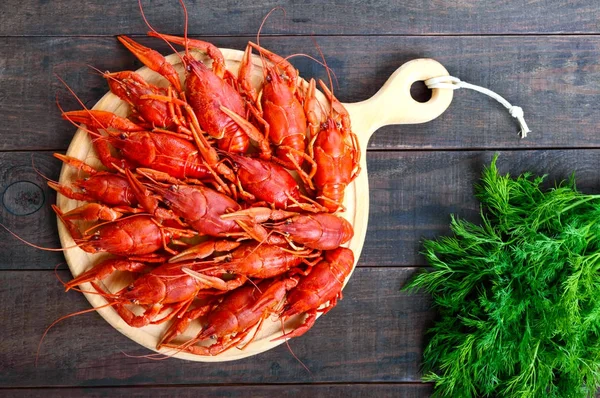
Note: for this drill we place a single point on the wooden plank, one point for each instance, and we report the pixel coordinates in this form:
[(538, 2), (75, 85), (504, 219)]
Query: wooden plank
[(405, 390), (412, 194), (375, 334), (26, 210), (40, 17), (556, 80)]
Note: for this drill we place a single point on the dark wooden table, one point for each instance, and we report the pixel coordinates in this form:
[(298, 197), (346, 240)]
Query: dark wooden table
[(541, 55)]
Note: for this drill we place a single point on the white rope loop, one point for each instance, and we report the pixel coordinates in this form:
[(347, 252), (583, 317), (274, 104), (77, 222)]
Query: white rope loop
[(454, 83)]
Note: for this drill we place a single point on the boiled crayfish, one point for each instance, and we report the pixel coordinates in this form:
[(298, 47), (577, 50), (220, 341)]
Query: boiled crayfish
[(198, 202)]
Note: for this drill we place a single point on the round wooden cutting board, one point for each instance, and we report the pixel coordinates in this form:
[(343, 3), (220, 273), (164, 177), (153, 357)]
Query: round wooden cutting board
[(393, 104)]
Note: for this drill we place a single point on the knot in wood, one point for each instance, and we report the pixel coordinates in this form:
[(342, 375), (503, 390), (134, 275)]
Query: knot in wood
[(22, 198)]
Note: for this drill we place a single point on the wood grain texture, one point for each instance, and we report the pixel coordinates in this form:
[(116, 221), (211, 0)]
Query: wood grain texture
[(72, 17), (86, 351), (556, 80), (404, 390), (539, 54), (25, 201), (412, 194)]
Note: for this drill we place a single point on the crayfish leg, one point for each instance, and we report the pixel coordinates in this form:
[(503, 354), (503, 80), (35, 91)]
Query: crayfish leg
[(335, 204), (215, 282), (256, 330), (310, 205), (259, 214), (220, 347), (138, 321), (133, 320), (181, 324), (274, 293), (204, 250), (251, 131), (176, 309), (292, 163), (303, 328)]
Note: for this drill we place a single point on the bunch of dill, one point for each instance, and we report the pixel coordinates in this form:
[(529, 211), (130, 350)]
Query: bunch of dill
[(518, 296)]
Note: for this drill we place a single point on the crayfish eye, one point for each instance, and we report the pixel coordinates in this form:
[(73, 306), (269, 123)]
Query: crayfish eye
[(324, 126), (338, 125), (188, 68), (130, 288), (173, 188), (269, 78), (288, 221), (123, 136)]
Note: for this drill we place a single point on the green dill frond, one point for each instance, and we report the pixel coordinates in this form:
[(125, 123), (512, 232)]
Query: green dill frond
[(518, 296)]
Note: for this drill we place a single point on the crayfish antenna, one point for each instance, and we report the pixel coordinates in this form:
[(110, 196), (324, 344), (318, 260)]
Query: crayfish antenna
[(159, 356), (39, 172), (160, 36), (262, 58), (62, 318), (66, 284), (48, 249), (79, 126), (317, 61), (291, 351), (185, 28), (102, 74), (60, 79), (328, 75), (265, 20)]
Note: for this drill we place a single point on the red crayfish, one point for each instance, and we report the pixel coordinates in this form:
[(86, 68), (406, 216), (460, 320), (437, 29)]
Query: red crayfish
[(217, 196)]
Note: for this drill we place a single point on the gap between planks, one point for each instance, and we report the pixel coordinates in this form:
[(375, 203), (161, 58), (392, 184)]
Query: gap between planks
[(63, 267), (316, 383), (250, 35)]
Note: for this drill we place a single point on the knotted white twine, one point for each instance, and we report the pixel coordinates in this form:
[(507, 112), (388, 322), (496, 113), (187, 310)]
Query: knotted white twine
[(454, 83)]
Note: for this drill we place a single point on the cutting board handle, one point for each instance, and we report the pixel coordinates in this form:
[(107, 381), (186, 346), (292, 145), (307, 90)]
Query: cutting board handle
[(393, 103)]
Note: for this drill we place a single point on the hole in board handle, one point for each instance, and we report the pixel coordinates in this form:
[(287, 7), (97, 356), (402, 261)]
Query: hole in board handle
[(419, 91)]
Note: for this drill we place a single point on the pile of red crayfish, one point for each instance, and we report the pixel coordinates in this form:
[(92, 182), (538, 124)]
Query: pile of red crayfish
[(196, 198)]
